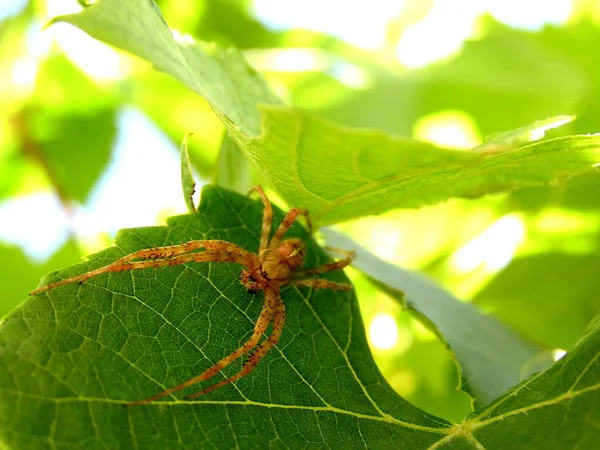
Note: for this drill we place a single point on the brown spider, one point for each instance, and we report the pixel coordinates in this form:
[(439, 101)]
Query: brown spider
[(277, 264)]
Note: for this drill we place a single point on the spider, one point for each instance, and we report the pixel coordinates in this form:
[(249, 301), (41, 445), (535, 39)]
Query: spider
[(277, 264)]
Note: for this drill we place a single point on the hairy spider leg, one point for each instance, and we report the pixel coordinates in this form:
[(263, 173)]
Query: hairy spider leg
[(273, 299), (260, 327), (291, 216), (267, 218), (320, 283), (213, 245), (329, 267), (244, 258)]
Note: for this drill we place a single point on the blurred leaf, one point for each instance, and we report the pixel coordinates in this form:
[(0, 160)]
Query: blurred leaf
[(232, 170), (219, 75), (550, 298), (67, 128), (19, 273), (531, 132), (491, 357), (77, 150), (338, 174), (74, 355), (177, 113), (188, 184), (62, 88)]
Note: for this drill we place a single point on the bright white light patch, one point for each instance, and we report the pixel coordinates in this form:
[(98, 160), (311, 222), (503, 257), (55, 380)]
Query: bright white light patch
[(448, 128), (141, 181), (383, 332), (441, 34), (24, 71), (96, 59), (530, 14), (37, 223), (558, 353), (361, 23), (494, 248)]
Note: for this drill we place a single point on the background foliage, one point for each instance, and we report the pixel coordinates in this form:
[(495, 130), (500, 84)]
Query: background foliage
[(528, 258)]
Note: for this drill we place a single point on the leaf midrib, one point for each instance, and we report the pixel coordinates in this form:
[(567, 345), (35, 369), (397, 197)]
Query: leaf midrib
[(385, 418)]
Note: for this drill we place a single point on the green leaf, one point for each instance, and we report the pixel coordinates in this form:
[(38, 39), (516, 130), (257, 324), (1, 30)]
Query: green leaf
[(337, 173), (219, 75), (188, 185), (73, 356), (531, 132), (491, 357), (357, 173), (232, 170)]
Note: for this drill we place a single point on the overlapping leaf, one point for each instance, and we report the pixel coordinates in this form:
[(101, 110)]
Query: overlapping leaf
[(337, 173)]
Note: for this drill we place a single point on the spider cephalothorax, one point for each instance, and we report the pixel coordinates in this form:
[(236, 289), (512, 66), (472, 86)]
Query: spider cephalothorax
[(278, 263)]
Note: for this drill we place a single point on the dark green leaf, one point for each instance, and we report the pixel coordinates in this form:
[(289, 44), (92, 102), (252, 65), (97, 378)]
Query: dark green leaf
[(73, 356)]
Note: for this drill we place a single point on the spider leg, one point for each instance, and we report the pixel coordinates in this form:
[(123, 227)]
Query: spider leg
[(278, 308), (262, 323), (213, 245), (267, 218), (247, 259), (320, 283), (285, 225), (329, 267)]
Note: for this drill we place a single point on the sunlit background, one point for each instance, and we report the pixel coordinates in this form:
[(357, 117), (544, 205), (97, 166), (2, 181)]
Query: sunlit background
[(448, 72)]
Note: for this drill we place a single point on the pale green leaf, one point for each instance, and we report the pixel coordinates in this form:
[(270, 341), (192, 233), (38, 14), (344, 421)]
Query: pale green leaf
[(188, 184), (232, 170), (531, 132), (337, 173), (357, 173), (220, 75)]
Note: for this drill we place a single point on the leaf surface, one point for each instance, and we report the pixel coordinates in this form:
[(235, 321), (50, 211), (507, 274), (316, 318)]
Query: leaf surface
[(336, 172), (73, 356)]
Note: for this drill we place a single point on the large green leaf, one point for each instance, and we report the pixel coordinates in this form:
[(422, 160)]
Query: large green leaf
[(357, 173), (491, 357), (336, 172), (73, 356)]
